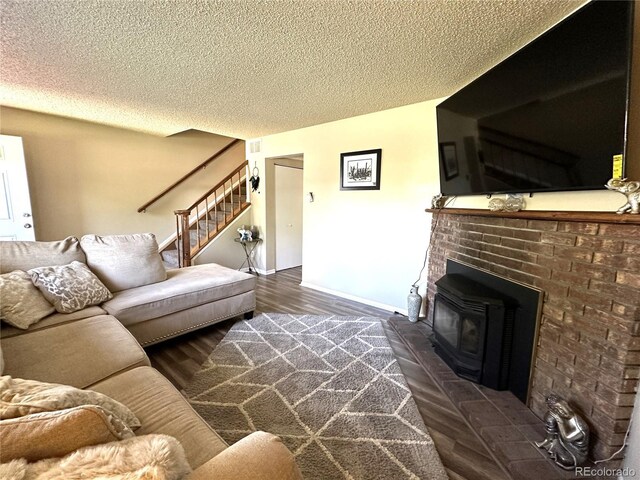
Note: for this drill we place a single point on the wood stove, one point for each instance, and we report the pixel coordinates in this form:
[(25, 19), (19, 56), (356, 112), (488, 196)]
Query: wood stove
[(473, 327), (484, 327)]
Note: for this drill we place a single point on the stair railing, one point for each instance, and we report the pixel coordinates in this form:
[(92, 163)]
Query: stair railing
[(203, 165), (218, 206)]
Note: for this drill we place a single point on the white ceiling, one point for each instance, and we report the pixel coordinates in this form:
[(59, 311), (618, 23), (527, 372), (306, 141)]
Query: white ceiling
[(246, 68)]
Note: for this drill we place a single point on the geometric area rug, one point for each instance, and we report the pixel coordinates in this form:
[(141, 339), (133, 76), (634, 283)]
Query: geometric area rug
[(329, 386)]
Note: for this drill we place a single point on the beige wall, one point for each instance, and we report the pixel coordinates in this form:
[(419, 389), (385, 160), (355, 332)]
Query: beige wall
[(370, 245), (632, 455), (633, 130), (367, 245), (90, 178), (224, 251)]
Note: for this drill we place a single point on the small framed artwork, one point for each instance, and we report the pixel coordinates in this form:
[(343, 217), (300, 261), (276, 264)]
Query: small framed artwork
[(449, 160), (360, 170)]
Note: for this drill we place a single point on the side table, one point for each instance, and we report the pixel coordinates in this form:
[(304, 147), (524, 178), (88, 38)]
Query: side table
[(248, 246)]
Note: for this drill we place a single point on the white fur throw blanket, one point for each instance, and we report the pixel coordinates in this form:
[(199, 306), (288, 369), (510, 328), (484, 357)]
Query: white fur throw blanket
[(148, 457)]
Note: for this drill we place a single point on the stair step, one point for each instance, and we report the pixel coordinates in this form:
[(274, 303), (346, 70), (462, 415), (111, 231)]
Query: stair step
[(193, 235), (228, 206), (218, 214), (203, 226)]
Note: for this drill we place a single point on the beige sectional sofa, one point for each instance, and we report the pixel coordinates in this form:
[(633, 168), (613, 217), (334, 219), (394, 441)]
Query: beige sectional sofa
[(93, 349), (154, 304)]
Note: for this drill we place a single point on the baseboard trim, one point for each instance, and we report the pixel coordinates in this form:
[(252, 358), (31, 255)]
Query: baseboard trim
[(355, 298), (260, 271)]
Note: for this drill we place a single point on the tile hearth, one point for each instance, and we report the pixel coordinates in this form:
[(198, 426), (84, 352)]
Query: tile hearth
[(499, 419)]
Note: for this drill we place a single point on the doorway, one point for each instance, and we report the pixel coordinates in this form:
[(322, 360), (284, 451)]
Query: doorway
[(284, 202), (288, 218)]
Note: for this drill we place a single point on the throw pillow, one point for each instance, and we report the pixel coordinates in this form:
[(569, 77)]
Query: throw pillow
[(54, 434), (21, 304), (124, 261), (149, 457), (69, 287), (23, 255), (20, 397)]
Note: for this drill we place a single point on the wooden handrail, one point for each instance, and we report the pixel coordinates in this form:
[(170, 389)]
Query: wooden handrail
[(195, 170), (218, 185)]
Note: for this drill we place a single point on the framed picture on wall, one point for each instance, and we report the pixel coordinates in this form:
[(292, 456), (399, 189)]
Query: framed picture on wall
[(360, 170), (449, 160)]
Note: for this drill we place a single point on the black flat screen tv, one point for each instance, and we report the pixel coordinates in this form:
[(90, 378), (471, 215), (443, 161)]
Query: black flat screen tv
[(550, 117)]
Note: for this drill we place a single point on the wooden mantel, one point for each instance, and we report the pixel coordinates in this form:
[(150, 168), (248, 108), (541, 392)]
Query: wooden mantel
[(598, 217)]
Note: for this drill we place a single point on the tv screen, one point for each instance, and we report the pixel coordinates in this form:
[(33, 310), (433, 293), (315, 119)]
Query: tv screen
[(550, 117)]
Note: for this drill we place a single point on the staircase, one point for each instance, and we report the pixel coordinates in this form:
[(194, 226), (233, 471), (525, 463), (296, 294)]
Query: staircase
[(207, 217)]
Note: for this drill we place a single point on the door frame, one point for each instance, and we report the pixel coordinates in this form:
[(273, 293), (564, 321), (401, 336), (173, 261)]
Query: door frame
[(17, 190), (294, 160), (280, 233)]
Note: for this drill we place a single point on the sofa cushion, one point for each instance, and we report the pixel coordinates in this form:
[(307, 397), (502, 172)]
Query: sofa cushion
[(78, 353), (21, 304), (52, 320), (174, 324), (69, 287), (184, 288), (124, 261), (162, 409), (20, 255), (54, 434), (20, 397)]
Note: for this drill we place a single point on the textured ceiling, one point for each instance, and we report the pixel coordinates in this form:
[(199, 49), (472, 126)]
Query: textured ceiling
[(249, 68)]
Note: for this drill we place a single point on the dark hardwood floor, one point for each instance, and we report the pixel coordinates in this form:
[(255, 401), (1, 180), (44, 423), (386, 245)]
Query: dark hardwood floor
[(463, 454)]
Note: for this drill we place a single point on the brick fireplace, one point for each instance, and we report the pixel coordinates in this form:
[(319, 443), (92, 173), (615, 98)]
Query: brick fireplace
[(588, 267)]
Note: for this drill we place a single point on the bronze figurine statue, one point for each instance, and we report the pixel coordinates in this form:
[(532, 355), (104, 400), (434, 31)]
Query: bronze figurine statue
[(631, 190), (567, 440)]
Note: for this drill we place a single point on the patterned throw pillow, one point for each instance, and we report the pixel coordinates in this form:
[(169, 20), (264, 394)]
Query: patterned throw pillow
[(21, 304), (69, 287)]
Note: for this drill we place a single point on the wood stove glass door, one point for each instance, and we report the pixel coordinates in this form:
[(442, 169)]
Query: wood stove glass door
[(471, 336), (446, 323)]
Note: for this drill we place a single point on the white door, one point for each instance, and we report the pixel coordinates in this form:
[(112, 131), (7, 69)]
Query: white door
[(16, 222), (288, 217)]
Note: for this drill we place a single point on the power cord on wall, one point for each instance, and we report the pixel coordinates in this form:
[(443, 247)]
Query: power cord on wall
[(624, 444), (434, 227)]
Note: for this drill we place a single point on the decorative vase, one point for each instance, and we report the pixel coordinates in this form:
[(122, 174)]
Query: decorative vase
[(414, 304)]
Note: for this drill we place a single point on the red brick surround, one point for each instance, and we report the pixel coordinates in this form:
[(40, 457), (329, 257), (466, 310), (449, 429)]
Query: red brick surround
[(588, 349)]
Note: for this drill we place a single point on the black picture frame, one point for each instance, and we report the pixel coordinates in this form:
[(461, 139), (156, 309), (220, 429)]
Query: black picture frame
[(360, 170), (449, 160)]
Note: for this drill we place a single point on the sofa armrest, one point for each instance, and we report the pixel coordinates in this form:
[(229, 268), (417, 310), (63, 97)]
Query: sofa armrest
[(259, 456)]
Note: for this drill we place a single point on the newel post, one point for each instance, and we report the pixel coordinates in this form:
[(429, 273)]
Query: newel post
[(184, 237)]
